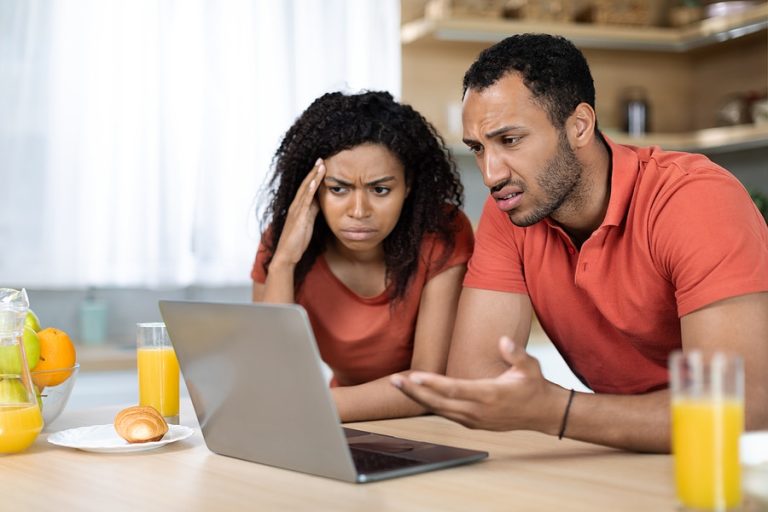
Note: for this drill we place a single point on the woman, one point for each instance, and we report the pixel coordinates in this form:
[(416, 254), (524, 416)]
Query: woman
[(366, 234)]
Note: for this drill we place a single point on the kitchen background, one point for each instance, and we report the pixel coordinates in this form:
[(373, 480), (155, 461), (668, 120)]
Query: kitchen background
[(134, 138)]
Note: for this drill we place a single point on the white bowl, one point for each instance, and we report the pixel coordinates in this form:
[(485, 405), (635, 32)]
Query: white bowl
[(754, 462)]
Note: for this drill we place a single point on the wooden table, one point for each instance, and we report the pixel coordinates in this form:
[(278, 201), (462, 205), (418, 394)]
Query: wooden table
[(525, 471)]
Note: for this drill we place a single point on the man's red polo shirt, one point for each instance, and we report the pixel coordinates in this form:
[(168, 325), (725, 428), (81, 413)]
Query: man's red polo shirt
[(680, 233)]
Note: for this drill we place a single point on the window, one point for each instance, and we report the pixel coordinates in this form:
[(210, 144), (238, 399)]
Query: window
[(134, 136)]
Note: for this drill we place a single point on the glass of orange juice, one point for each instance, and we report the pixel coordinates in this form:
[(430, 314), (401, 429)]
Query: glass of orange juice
[(158, 370), (707, 394), (20, 418)]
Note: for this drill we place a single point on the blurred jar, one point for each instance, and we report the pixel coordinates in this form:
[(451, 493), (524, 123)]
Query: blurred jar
[(93, 320), (636, 111), (733, 110), (760, 111)]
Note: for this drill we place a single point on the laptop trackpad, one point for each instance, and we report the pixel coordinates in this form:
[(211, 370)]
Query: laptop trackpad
[(379, 443), (383, 446)]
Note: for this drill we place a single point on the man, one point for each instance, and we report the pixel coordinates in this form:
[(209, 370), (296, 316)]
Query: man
[(624, 253)]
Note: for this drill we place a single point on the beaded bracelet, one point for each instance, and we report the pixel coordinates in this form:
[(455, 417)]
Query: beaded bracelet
[(565, 415)]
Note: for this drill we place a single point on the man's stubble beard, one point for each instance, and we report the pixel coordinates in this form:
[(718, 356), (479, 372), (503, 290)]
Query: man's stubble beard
[(561, 181)]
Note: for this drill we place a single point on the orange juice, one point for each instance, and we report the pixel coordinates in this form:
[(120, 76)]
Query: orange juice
[(19, 426), (705, 443), (159, 379)]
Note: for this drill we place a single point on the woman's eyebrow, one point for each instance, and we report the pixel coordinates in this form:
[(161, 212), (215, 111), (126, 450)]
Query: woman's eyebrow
[(371, 183), (337, 181), (379, 181)]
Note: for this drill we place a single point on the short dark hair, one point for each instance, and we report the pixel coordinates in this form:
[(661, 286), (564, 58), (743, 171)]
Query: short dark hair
[(335, 122), (551, 67)]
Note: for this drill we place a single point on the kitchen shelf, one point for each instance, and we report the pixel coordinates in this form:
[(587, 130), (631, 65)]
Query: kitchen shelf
[(704, 33), (710, 140)]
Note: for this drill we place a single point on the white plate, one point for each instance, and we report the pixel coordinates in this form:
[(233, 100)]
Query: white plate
[(104, 439)]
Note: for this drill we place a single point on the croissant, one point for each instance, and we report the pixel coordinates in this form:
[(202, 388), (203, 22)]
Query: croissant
[(140, 424)]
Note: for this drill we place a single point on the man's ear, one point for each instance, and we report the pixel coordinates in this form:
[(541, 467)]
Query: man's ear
[(580, 126)]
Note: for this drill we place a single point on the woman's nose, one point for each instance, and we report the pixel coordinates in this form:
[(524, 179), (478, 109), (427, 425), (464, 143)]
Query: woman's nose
[(360, 207)]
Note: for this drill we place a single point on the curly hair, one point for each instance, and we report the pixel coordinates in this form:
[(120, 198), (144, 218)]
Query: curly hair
[(335, 122), (551, 67)]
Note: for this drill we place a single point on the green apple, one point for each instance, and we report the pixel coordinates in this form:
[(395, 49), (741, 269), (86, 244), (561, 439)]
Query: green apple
[(12, 391), (32, 321), (9, 359), (31, 346)]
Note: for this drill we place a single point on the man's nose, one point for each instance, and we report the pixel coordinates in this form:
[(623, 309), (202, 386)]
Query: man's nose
[(492, 169)]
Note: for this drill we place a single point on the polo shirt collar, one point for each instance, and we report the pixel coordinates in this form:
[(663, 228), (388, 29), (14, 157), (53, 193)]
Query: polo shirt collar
[(624, 170)]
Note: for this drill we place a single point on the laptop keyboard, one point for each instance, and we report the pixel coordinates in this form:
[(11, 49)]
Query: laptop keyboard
[(372, 462)]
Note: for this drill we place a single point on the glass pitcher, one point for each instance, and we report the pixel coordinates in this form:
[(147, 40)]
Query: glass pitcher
[(20, 417)]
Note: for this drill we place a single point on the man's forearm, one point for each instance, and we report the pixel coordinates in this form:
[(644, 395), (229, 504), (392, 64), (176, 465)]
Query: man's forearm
[(632, 422)]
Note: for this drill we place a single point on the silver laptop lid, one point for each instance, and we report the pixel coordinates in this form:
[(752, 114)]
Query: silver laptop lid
[(255, 379)]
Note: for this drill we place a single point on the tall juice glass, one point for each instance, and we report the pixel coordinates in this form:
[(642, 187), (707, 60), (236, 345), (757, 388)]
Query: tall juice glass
[(158, 370), (20, 418), (707, 421)]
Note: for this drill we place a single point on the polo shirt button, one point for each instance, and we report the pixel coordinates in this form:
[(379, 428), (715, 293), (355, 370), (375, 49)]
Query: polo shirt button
[(571, 250)]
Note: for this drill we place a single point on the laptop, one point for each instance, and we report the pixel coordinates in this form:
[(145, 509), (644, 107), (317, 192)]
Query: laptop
[(256, 381)]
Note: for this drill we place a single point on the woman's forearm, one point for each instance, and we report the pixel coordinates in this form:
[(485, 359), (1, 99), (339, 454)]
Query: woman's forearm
[(279, 285), (372, 401)]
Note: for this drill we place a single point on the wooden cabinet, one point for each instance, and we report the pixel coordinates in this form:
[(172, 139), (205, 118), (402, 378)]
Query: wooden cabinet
[(687, 73)]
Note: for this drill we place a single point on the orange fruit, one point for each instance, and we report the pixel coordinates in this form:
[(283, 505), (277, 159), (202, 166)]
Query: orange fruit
[(56, 352)]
